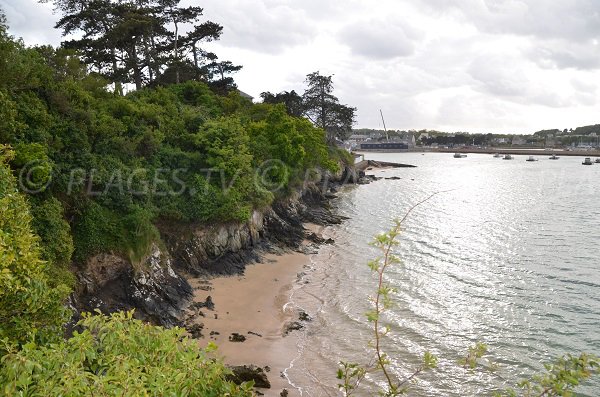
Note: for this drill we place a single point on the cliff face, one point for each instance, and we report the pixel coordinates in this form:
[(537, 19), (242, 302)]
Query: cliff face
[(157, 287), (157, 292)]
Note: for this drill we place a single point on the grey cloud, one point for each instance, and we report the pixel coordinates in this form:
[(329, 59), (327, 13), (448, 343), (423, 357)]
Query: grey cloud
[(568, 19), (264, 26), (496, 76), (563, 55), (507, 78), (379, 40), (32, 21)]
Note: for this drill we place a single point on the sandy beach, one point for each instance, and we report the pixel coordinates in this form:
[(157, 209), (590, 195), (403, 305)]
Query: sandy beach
[(256, 306)]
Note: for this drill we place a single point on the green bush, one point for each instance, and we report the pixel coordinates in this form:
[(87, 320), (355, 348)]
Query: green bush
[(30, 308), (97, 230), (118, 356), (33, 165), (55, 236)]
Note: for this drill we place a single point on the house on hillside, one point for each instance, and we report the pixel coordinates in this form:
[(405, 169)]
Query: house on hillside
[(358, 138), (246, 96)]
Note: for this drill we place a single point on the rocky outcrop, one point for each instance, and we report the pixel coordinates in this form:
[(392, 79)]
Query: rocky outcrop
[(110, 283), (157, 288), (226, 249), (223, 249)]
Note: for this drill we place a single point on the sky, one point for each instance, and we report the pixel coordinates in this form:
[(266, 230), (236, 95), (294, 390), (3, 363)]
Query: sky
[(483, 66)]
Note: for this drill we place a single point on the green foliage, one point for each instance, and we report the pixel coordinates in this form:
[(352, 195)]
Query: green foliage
[(118, 164), (34, 166), (100, 229), (117, 356), (560, 379), (97, 230), (9, 126), (55, 237), (30, 308), (474, 354), (324, 109)]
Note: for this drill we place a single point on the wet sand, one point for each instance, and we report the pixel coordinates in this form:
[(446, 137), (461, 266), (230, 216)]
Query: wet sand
[(256, 306)]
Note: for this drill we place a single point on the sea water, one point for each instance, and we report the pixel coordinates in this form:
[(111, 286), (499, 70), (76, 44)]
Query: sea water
[(508, 254)]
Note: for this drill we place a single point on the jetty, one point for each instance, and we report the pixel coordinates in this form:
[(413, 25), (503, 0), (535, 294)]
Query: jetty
[(365, 164)]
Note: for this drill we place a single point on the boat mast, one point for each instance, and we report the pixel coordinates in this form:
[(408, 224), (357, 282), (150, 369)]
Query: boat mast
[(384, 128)]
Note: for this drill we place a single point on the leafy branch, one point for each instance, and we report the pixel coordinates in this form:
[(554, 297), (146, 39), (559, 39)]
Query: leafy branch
[(352, 374)]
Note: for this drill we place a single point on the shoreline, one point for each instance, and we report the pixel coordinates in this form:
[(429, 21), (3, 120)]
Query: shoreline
[(515, 151), (256, 306)]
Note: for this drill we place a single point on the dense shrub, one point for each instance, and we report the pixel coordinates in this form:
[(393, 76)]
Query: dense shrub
[(30, 308), (117, 356)]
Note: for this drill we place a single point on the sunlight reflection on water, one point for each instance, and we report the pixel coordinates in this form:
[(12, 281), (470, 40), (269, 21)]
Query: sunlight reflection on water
[(506, 258)]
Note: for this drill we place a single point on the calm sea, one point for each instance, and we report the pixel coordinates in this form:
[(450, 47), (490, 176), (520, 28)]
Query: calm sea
[(510, 257)]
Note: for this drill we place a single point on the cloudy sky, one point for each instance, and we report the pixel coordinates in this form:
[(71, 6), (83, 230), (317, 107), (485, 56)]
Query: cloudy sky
[(456, 65)]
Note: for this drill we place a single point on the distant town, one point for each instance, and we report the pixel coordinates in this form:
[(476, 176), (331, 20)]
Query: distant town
[(578, 139)]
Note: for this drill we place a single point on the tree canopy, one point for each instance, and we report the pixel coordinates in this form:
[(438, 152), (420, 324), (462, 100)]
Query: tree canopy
[(323, 108), (319, 105), (143, 42)]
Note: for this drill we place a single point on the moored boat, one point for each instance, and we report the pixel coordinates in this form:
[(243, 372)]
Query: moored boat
[(554, 157), (587, 161), (459, 155), (497, 155), (531, 158), (507, 157)]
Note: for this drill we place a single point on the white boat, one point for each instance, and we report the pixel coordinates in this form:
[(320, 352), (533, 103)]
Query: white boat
[(459, 155), (507, 157), (497, 155), (587, 161), (531, 158), (554, 157), (597, 161)]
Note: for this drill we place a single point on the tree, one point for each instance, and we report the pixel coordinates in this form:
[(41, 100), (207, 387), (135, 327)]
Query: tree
[(177, 16), (136, 41), (291, 100), (217, 74), (205, 32), (323, 108)]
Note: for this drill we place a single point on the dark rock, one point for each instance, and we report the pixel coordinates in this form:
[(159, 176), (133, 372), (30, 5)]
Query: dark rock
[(155, 290), (247, 373), (303, 316), (393, 178), (209, 304), (255, 334), (284, 393), (213, 333), (292, 326), (350, 175), (235, 337), (195, 330)]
